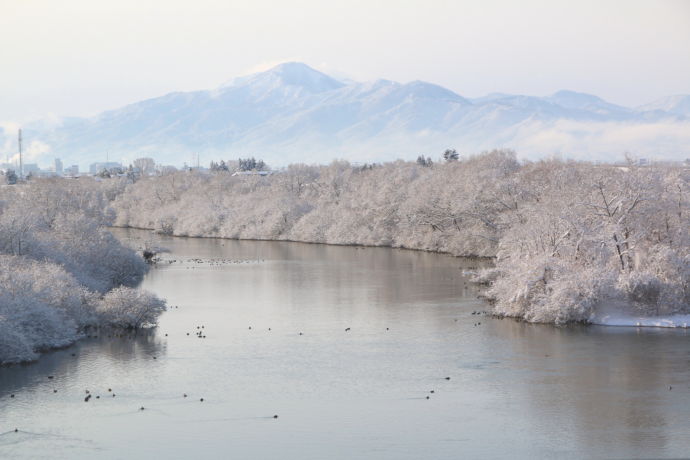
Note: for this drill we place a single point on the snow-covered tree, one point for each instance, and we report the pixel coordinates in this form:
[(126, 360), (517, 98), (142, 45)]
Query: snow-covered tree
[(145, 165), (130, 308), (56, 261)]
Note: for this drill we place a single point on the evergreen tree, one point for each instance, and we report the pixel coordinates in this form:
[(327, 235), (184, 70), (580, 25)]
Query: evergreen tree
[(451, 155), (11, 177)]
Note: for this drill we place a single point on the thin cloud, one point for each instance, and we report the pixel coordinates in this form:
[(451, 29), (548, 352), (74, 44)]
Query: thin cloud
[(668, 140)]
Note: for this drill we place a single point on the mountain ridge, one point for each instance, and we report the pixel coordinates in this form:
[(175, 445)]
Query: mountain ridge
[(294, 113)]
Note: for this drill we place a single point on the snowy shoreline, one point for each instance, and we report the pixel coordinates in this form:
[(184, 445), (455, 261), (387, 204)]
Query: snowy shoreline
[(620, 320), (361, 245), (610, 320)]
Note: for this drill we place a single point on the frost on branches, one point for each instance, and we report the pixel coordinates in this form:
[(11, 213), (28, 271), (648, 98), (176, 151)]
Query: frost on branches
[(130, 308), (572, 240), (60, 270), (595, 241)]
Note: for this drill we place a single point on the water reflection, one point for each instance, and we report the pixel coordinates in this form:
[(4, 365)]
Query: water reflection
[(613, 383), (112, 349)]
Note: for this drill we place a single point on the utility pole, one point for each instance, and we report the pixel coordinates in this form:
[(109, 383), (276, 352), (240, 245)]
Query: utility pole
[(21, 163)]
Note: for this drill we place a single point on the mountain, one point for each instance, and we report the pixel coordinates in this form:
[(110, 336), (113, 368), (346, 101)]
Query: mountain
[(677, 105), (588, 104), (294, 113)]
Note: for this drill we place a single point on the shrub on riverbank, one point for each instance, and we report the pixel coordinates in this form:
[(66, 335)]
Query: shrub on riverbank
[(597, 239), (56, 261), (129, 308), (41, 304)]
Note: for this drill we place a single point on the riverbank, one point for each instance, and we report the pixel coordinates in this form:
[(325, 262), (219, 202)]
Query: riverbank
[(622, 320), (355, 245)]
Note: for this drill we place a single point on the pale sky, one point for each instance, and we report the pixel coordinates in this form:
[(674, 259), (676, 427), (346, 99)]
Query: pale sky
[(79, 57)]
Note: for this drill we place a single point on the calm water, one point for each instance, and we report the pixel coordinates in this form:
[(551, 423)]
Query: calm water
[(515, 390)]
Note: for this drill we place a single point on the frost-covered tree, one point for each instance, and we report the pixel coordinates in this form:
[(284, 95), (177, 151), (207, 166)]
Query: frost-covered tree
[(56, 261), (218, 167), (104, 174), (145, 165), (596, 238), (251, 164), (130, 308), (421, 161)]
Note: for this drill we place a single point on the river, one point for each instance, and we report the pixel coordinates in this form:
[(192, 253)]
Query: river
[(362, 353)]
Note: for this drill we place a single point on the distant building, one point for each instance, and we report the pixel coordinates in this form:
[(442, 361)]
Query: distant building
[(251, 173), (58, 167), (95, 168), (31, 168), (72, 170)]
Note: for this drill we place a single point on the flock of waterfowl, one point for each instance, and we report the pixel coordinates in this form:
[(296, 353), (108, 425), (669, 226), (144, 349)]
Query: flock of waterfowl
[(200, 331), (210, 263)]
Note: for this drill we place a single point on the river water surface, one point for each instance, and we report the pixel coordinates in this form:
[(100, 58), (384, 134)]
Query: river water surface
[(345, 346)]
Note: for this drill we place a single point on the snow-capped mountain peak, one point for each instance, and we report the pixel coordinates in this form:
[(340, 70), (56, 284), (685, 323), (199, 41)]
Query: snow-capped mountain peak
[(574, 100), (289, 74)]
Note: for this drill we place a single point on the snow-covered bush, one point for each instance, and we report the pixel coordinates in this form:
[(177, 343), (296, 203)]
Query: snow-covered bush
[(129, 308), (61, 222), (546, 290), (596, 238), (56, 261), (14, 346), (30, 307)]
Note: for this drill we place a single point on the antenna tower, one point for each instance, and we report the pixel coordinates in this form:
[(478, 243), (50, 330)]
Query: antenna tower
[(21, 163)]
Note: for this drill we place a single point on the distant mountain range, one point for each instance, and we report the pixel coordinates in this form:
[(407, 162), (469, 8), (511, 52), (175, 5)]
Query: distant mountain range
[(294, 113)]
